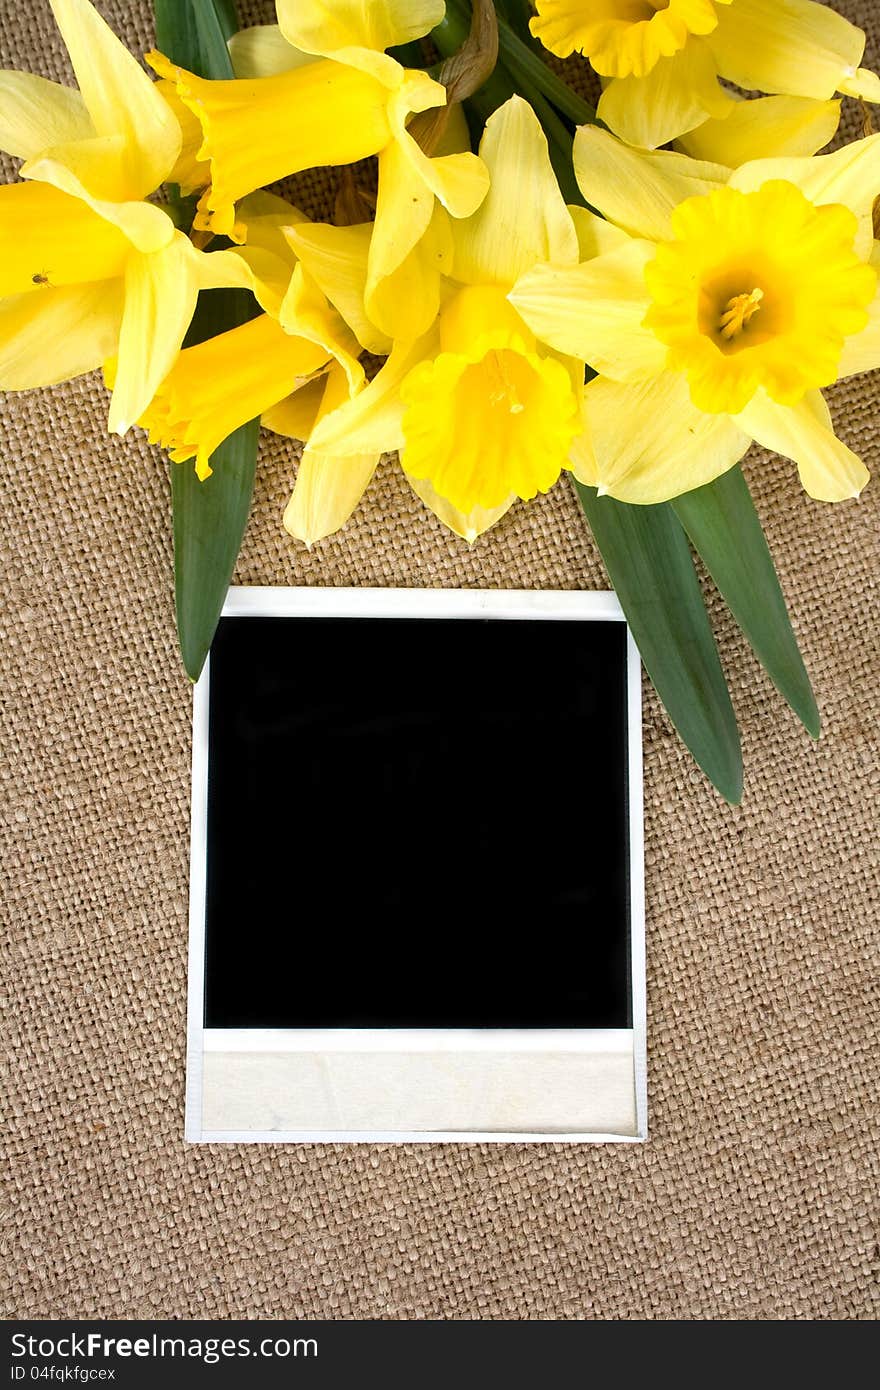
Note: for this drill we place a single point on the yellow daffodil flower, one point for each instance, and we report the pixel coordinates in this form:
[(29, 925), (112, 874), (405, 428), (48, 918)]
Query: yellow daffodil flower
[(480, 409), (660, 62), (319, 90), (288, 365), (715, 304), (89, 270)]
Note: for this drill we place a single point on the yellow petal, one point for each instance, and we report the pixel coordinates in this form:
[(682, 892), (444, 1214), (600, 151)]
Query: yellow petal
[(316, 27), (120, 98), (861, 353), (850, 175), (524, 219), (263, 51), (410, 184), (51, 337), (792, 47), (295, 416), (327, 488), (411, 246), (82, 170), (307, 314), (260, 130), (372, 422), (468, 525), (221, 384), (764, 126), (595, 311), (36, 114), (675, 96), (336, 259), (595, 235), (829, 471), (638, 191), (190, 173), (49, 239), (160, 297), (652, 444)]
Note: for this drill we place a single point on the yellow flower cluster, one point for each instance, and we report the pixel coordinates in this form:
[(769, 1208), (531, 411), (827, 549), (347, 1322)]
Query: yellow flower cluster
[(707, 298)]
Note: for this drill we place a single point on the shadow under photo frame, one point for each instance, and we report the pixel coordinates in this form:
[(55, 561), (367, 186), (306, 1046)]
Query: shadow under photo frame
[(417, 870)]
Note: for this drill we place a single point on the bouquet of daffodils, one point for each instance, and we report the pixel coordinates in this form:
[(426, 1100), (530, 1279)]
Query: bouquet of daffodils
[(515, 286)]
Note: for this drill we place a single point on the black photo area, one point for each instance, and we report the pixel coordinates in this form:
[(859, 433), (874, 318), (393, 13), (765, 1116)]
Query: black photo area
[(417, 823)]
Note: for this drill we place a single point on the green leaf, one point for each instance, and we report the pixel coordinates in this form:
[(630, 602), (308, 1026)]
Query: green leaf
[(724, 528), (193, 33), (649, 563), (209, 517)]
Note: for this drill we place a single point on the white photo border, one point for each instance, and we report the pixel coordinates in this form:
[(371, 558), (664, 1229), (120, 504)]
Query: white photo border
[(282, 602)]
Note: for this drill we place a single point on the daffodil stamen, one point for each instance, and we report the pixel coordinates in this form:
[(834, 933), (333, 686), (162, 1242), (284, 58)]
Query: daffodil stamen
[(739, 312)]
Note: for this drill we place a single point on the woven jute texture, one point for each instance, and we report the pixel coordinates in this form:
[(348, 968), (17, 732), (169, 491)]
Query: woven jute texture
[(754, 1197)]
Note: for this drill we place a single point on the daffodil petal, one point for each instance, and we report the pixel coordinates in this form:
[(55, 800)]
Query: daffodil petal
[(36, 114), (792, 47), (48, 239), (316, 27), (636, 189), (675, 96), (828, 470), (460, 180), (595, 234), (406, 302), (850, 175), (160, 297), (651, 443), (764, 127), (327, 488), (80, 171), (263, 51), (372, 422), (594, 311), (336, 259), (190, 173), (524, 219), (52, 337), (307, 314), (861, 353), (295, 416), (120, 97), (468, 525), (327, 491), (404, 208)]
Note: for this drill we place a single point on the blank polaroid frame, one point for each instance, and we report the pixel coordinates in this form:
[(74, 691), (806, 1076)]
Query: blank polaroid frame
[(431, 984)]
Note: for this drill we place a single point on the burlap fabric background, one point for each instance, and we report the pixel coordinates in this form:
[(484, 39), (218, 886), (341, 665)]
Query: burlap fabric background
[(755, 1196)]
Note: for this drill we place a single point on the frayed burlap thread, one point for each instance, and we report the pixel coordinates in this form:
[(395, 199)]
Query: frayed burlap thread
[(755, 1197)]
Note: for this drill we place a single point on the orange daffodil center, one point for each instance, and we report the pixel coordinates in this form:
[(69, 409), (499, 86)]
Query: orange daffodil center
[(715, 304)]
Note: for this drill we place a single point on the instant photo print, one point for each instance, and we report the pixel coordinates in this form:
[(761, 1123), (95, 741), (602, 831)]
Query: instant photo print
[(417, 870)]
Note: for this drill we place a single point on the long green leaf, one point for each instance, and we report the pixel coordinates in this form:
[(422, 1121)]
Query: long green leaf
[(649, 563), (209, 517), (724, 528)]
